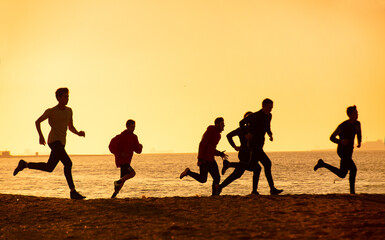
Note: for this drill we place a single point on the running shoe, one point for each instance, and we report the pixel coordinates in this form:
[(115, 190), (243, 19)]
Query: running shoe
[(184, 173), (22, 164), (76, 195), (319, 164), (275, 191), (114, 194), (226, 165)]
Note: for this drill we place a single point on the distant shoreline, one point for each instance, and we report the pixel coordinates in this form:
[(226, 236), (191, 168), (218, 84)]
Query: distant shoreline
[(98, 155)]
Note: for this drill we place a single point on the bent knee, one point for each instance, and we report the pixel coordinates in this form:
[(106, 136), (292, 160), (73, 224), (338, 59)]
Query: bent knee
[(267, 168), (266, 164), (203, 180), (343, 174)]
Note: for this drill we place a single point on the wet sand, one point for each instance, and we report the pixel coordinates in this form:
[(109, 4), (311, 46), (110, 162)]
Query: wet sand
[(222, 217)]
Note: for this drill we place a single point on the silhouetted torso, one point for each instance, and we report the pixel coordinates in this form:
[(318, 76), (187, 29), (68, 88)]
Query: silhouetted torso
[(208, 144), (259, 125), (347, 130), (244, 152), (58, 120)]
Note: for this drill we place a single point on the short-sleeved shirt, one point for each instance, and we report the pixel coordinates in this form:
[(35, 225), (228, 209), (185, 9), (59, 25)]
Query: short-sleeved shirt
[(58, 119)]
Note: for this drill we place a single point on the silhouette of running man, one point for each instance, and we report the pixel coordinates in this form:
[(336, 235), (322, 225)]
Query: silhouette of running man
[(127, 144), (346, 133), (245, 161), (206, 159), (259, 125), (60, 119)]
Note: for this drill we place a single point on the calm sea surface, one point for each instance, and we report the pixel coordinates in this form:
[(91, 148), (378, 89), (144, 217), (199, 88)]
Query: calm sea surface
[(157, 175)]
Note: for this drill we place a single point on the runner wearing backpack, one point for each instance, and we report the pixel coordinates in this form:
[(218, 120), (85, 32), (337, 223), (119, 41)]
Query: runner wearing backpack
[(123, 147)]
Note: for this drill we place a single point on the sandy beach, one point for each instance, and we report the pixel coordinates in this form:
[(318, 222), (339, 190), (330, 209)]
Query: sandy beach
[(221, 217)]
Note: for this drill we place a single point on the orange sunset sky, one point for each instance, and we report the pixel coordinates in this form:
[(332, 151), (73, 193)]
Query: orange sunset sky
[(174, 66)]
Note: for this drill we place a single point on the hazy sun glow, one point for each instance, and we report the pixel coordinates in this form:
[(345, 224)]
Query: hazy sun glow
[(174, 66)]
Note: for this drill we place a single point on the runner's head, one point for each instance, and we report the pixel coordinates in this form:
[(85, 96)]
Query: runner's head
[(220, 123), (130, 125), (267, 105), (62, 95), (352, 113)]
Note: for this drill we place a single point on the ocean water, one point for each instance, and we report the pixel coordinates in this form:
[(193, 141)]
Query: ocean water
[(157, 175)]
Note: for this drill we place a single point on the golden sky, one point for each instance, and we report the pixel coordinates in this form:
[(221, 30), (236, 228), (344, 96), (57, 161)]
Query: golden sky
[(174, 66)]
